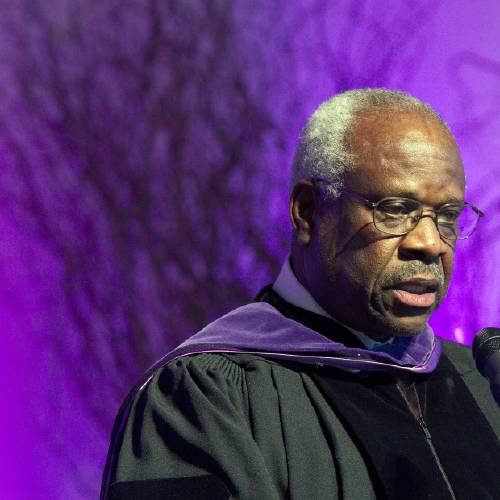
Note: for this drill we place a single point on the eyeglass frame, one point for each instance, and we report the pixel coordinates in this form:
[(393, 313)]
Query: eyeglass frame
[(374, 205)]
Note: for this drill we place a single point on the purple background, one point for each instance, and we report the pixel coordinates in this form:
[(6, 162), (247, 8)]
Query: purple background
[(145, 153)]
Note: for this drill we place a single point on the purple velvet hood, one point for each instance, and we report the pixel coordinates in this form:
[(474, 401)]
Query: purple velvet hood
[(258, 328)]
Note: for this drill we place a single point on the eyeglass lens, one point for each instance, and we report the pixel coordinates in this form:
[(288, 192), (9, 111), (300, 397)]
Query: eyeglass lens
[(399, 216)]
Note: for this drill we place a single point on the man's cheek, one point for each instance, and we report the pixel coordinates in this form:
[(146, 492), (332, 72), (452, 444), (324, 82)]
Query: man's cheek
[(359, 280), (448, 262)]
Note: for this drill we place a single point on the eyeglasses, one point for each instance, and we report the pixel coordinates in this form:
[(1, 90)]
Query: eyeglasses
[(398, 216)]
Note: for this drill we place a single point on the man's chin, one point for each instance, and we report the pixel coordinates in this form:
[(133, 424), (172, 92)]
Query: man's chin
[(399, 323), (407, 326), (395, 319)]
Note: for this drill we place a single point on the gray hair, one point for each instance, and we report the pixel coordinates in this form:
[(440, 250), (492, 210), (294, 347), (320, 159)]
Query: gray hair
[(322, 150)]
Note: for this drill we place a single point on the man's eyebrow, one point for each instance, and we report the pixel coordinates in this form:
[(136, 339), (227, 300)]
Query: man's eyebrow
[(453, 201), (409, 194)]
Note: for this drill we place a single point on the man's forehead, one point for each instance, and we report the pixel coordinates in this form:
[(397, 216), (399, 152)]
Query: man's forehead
[(393, 147), (384, 128), (410, 134), (416, 142)]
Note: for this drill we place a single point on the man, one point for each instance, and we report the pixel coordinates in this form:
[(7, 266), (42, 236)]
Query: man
[(331, 384)]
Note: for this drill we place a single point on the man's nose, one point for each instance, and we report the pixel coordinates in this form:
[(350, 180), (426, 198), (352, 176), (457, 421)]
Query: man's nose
[(423, 241)]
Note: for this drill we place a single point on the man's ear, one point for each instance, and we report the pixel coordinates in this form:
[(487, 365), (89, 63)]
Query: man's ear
[(302, 207)]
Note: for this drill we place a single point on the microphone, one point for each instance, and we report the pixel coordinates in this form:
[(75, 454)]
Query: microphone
[(486, 352)]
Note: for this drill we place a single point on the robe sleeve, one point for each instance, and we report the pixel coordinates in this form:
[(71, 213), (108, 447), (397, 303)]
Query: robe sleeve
[(188, 435)]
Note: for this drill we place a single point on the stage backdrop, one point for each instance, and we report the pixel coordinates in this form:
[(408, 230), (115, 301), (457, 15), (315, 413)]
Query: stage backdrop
[(145, 149)]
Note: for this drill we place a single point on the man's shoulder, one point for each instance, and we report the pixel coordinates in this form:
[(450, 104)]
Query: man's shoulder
[(226, 362), (460, 355), (220, 368)]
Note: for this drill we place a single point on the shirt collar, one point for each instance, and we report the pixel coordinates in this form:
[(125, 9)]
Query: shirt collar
[(291, 290)]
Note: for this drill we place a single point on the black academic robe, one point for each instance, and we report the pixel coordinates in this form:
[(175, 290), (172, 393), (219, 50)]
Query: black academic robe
[(214, 426)]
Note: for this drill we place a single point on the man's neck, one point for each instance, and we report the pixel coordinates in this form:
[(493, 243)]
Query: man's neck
[(288, 287)]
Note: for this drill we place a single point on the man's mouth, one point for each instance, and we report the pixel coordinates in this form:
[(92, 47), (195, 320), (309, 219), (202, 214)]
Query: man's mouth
[(416, 292)]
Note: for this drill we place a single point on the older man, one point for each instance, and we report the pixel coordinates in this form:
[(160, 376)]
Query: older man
[(331, 384)]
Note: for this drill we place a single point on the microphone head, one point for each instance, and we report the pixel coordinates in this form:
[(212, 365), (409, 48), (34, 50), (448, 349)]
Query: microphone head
[(485, 343)]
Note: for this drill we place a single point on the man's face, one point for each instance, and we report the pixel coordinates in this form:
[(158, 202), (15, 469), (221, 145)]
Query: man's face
[(381, 284)]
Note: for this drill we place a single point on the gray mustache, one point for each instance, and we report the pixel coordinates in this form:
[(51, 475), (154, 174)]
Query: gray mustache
[(411, 270)]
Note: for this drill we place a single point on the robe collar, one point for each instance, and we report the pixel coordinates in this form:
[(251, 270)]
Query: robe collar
[(289, 288), (259, 328)]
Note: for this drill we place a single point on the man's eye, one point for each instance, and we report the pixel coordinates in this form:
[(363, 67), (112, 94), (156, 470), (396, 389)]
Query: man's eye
[(449, 215), (397, 208)]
